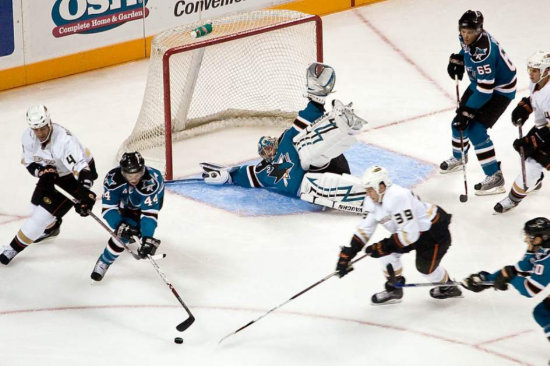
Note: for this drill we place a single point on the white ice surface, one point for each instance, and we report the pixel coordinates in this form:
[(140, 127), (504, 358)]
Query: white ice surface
[(390, 60)]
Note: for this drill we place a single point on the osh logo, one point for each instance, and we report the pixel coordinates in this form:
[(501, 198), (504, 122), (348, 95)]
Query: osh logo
[(93, 16)]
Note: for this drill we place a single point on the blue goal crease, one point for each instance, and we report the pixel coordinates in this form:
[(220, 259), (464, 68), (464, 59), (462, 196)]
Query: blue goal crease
[(404, 170)]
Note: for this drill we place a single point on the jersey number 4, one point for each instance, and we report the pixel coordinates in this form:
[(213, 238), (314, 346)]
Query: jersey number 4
[(399, 218)]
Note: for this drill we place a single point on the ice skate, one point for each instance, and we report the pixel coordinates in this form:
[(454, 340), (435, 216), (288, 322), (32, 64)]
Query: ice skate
[(445, 292), (99, 270), (492, 184), (51, 232), (391, 295), (452, 165), (505, 205), (8, 253)]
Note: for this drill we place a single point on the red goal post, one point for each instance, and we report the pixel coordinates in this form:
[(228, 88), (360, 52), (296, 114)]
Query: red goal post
[(249, 71)]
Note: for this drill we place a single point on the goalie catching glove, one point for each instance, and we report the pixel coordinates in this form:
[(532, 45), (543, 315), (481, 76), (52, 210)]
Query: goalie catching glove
[(148, 246), (320, 82)]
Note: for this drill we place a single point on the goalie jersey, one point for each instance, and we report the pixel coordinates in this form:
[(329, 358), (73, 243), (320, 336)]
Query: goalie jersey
[(141, 203), (284, 173), (489, 69)]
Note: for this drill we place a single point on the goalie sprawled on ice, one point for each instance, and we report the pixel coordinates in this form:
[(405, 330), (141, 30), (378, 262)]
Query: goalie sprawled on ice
[(306, 160)]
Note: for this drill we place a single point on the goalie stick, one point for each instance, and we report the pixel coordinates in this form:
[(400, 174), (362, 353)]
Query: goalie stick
[(287, 301), (183, 325)]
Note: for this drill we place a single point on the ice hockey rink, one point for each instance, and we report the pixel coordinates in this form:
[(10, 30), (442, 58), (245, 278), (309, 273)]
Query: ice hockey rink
[(390, 59)]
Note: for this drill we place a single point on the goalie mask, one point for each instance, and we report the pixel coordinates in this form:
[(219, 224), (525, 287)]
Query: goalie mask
[(38, 117), (320, 81), (132, 167), (267, 148), (372, 178)]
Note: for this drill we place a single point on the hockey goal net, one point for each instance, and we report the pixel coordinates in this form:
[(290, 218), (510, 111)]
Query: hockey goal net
[(249, 71)]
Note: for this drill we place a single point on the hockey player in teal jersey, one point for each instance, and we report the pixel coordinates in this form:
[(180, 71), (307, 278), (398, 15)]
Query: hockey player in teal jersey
[(132, 198), (313, 144), (492, 87), (529, 276)]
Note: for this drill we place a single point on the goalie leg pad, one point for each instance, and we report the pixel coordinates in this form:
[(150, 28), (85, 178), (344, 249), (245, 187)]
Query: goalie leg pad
[(341, 192), (319, 143)]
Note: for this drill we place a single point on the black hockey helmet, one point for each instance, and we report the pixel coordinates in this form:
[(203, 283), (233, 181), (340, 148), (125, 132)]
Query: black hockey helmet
[(471, 20), (539, 226), (132, 162)]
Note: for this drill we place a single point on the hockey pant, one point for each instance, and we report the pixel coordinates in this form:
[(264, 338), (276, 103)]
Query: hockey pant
[(430, 248)]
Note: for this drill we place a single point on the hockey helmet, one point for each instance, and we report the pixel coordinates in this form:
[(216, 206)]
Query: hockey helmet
[(267, 148), (471, 20), (539, 60), (38, 116), (372, 178), (132, 163), (539, 226)]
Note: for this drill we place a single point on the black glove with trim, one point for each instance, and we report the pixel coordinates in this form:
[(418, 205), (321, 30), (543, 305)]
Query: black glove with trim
[(456, 66), (126, 232), (521, 113), (506, 274), (47, 176), (148, 246), (464, 116), (86, 201), (343, 266), (474, 281)]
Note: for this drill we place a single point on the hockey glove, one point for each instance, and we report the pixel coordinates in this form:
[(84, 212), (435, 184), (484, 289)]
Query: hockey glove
[(149, 246), (536, 138), (126, 232), (464, 116), (86, 201), (456, 66), (474, 281), (521, 113), (46, 177), (504, 276), (380, 249), (343, 266)]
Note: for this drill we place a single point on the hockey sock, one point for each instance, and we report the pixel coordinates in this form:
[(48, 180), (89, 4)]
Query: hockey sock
[(17, 244)]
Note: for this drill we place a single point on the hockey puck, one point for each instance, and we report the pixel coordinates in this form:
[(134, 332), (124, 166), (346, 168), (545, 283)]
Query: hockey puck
[(178, 340), (463, 198)]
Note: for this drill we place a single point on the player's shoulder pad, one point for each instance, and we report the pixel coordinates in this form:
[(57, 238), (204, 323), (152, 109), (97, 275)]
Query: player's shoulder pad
[(114, 179), (151, 182), (481, 49)]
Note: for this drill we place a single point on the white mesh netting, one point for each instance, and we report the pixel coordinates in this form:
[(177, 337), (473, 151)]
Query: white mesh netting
[(248, 71)]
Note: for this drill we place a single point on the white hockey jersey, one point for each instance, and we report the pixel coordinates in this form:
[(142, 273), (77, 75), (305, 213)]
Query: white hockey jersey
[(540, 102), (63, 151), (401, 212)]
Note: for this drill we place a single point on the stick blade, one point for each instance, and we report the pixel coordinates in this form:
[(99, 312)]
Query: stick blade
[(185, 324)]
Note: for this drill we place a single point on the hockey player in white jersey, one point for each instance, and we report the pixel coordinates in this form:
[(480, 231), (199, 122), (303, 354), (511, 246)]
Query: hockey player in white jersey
[(53, 155), (536, 145), (413, 224)]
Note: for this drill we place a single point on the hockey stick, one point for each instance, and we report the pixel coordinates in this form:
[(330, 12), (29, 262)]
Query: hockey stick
[(522, 156), (429, 284), (287, 301), (463, 197), (183, 325), (184, 181)]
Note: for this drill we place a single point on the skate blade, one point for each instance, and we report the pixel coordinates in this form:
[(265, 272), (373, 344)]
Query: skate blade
[(492, 191), (454, 170), (389, 302)]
